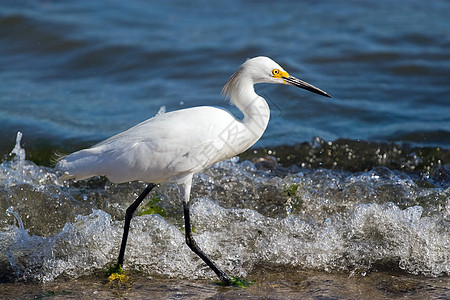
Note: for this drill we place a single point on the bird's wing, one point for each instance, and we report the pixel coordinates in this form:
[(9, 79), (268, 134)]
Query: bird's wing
[(184, 142), (160, 149)]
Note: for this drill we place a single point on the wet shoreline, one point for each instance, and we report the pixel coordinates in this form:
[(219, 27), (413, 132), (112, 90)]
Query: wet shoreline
[(292, 284)]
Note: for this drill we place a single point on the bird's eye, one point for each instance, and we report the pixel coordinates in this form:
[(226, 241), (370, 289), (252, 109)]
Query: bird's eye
[(275, 72)]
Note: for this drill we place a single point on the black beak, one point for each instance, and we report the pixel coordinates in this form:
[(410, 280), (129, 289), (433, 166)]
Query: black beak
[(304, 85)]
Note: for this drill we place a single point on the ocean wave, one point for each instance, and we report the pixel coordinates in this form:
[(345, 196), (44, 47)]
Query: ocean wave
[(246, 215)]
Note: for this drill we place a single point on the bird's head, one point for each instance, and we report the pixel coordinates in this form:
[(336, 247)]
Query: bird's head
[(263, 69)]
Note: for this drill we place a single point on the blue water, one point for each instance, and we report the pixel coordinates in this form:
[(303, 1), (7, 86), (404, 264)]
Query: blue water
[(74, 73), (86, 70)]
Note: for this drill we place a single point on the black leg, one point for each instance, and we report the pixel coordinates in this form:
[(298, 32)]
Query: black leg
[(128, 217), (194, 247)]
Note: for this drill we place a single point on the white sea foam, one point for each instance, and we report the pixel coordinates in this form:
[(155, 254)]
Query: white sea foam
[(243, 217)]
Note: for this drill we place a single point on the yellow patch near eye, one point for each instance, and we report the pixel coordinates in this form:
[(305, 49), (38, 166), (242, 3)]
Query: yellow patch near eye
[(276, 73)]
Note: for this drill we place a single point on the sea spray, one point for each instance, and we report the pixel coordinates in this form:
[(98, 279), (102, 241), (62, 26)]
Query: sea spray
[(246, 217)]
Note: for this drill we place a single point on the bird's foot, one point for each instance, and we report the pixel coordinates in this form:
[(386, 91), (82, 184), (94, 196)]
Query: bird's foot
[(236, 281), (116, 273)]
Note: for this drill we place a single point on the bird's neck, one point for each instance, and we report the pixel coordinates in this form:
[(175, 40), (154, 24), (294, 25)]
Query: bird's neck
[(256, 116), (256, 113)]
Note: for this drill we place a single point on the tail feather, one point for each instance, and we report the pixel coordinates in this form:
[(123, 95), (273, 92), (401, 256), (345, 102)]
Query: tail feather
[(78, 165), (66, 176)]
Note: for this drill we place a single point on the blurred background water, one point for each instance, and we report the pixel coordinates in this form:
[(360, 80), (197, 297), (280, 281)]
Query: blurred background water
[(74, 73), (86, 70)]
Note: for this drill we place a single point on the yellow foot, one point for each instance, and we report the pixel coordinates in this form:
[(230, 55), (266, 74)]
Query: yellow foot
[(119, 277), (116, 272), (237, 282)]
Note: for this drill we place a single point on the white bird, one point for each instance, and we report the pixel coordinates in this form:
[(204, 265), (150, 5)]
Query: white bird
[(173, 146)]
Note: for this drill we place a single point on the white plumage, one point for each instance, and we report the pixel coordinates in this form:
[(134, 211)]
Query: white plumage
[(175, 145), (163, 148)]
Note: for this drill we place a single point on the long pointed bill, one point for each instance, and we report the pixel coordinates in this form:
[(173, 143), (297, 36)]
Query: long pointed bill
[(304, 85)]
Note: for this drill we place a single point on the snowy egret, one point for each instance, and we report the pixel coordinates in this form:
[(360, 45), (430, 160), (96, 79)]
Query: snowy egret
[(173, 146)]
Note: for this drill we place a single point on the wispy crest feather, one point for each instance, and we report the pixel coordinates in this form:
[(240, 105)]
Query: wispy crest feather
[(230, 86)]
